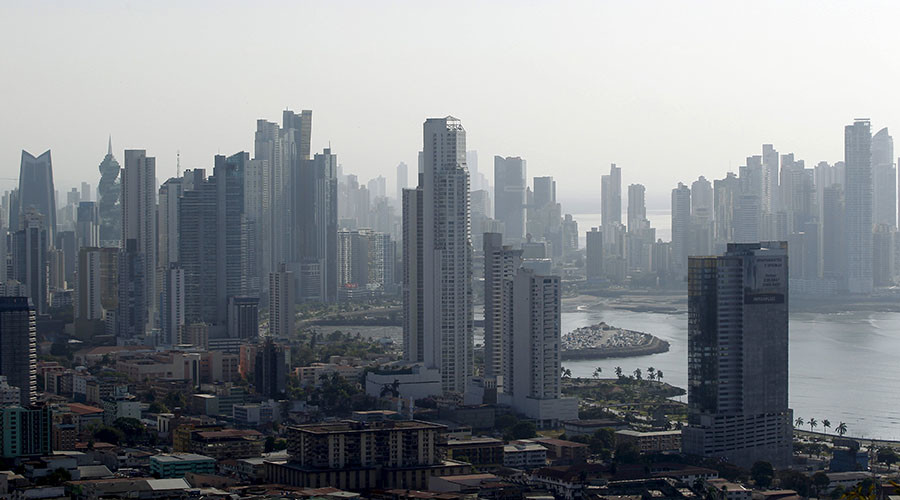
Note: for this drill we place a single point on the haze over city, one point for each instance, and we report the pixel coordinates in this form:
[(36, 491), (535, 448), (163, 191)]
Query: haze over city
[(668, 90)]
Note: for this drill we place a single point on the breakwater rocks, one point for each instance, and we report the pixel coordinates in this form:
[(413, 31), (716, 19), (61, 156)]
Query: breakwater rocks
[(604, 341)]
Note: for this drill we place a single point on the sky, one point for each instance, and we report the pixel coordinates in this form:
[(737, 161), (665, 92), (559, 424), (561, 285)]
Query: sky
[(666, 90)]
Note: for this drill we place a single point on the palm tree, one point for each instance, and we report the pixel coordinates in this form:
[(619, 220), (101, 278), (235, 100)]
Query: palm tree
[(825, 425), (813, 423), (566, 373), (798, 422), (637, 373), (659, 375), (841, 429), (651, 373), (619, 371), (597, 372)]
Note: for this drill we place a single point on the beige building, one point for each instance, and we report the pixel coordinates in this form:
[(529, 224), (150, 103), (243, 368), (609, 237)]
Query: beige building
[(651, 442)]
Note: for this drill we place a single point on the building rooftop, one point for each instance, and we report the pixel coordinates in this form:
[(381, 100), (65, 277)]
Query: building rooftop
[(180, 457), (82, 409), (474, 441), (356, 426), (647, 433)]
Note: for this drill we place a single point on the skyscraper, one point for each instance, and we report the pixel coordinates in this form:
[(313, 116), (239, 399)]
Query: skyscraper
[(531, 342), (36, 191), (447, 251), (544, 192), (108, 192), (18, 346), (172, 306), (681, 223), (271, 368), (139, 219), (87, 225), (637, 207), (412, 286), (884, 173), (738, 356), (611, 196), (593, 252), (281, 303), (500, 265), (770, 198), (402, 179), (509, 196), (31, 261), (858, 205), (319, 217)]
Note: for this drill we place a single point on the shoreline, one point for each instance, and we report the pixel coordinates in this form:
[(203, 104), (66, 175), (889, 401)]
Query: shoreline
[(655, 346)]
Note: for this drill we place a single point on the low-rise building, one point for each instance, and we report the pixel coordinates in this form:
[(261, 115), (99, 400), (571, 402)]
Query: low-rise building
[(86, 416), (729, 490), (178, 464), (651, 442), (226, 443), (588, 427), (484, 452), (561, 451), (525, 456), (253, 415)]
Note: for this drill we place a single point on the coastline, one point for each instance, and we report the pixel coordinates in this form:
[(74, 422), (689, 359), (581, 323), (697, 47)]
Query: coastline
[(655, 346)]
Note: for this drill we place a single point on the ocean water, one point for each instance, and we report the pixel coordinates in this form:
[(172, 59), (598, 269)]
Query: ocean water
[(844, 367)]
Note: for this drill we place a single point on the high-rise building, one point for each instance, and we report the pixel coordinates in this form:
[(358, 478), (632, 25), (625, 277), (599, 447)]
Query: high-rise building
[(26, 431), (637, 207), (36, 191), (858, 205), (747, 219), (531, 342), (702, 199), (87, 225), (725, 196), (243, 317), (281, 303), (611, 196), (172, 318), (544, 192), (319, 216), (681, 225), (883, 246), (402, 179), (738, 403), (271, 369), (18, 346), (412, 285), (509, 196), (139, 220), (85, 191), (131, 312), (198, 247), (31, 258), (170, 193), (108, 193), (500, 265), (770, 198), (884, 175), (447, 251), (594, 254), (834, 262), (88, 306)]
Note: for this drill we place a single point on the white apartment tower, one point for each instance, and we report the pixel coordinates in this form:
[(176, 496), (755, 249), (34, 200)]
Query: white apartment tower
[(531, 339), (500, 265), (447, 254)]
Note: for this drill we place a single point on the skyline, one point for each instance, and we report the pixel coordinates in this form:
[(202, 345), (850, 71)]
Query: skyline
[(756, 92)]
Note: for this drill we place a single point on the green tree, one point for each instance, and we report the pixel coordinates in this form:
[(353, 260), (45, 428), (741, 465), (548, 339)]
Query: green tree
[(269, 446), (888, 456), (158, 407), (637, 373), (109, 434), (813, 423), (627, 453), (566, 373), (826, 424), (659, 375), (597, 372), (790, 479), (762, 473), (522, 430), (841, 429), (651, 373), (504, 422), (820, 480), (798, 422), (619, 372)]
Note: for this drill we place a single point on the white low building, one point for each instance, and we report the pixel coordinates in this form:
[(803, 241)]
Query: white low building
[(524, 456), (413, 381)]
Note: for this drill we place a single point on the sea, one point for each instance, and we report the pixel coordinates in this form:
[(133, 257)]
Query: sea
[(844, 366)]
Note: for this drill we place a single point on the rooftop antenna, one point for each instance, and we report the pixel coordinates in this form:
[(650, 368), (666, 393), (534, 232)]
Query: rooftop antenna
[(178, 162)]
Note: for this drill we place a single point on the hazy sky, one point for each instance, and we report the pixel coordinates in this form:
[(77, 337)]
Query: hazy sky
[(667, 90)]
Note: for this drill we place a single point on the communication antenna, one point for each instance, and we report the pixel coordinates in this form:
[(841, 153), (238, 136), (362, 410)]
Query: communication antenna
[(178, 162)]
